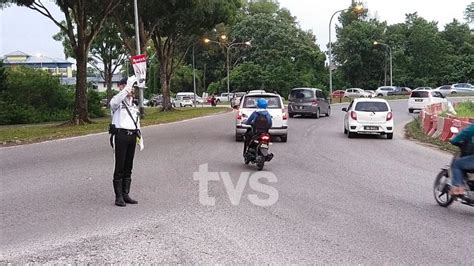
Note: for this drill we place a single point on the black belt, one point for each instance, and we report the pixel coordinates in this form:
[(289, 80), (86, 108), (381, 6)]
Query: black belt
[(127, 131)]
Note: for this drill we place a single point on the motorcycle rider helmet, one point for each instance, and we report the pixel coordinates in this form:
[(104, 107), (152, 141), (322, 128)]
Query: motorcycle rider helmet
[(262, 103)]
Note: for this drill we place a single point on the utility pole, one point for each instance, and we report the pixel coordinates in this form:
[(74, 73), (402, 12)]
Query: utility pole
[(137, 39)]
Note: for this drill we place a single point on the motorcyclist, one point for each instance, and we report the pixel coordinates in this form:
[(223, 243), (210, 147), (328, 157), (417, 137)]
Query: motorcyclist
[(465, 163), (260, 120)]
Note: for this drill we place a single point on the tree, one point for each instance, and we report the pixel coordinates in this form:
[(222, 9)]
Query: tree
[(83, 21), (469, 13), (282, 57), (174, 26)]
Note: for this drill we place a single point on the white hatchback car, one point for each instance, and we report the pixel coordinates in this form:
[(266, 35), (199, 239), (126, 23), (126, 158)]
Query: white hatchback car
[(356, 92), (419, 99), (275, 108), (383, 91), (368, 116)]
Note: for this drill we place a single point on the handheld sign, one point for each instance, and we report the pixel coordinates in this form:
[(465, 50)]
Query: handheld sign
[(139, 67)]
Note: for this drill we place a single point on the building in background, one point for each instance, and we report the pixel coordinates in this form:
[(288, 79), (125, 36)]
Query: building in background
[(57, 67), (97, 82)]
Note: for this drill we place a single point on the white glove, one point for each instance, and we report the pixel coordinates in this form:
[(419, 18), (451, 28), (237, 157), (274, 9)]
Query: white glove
[(130, 82)]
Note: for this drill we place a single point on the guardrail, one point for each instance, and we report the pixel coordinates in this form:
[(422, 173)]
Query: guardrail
[(437, 126)]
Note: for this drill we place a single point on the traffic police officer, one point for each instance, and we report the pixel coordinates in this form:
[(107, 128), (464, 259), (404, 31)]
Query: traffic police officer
[(126, 119)]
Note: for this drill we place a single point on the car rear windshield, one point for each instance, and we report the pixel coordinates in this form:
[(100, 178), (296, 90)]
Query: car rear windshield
[(273, 101), (420, 94), (301, 94), (371, 107)]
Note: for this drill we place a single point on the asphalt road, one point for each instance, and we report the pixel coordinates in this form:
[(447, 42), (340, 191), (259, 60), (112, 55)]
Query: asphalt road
[(365, 200)]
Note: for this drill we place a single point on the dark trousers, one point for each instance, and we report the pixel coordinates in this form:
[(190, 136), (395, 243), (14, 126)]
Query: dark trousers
[(459, 167), (124, 152), (249, 135)]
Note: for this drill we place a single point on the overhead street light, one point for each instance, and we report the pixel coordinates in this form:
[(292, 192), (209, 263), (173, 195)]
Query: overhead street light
[(390, 51), (227, 45), (358, 9)]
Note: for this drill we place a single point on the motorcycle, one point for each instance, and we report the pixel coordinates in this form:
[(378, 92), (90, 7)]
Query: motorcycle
[(442, 184), (257, 150)]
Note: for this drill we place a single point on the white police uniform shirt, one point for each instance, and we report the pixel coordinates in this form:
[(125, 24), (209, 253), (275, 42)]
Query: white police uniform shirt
[(120, 116)]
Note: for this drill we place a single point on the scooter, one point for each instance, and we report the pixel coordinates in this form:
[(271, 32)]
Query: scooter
[(442, 184), (257, 150)]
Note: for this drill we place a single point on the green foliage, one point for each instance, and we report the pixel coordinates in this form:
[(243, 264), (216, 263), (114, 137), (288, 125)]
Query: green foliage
[(282, 56), (465, 109), (32, 96)]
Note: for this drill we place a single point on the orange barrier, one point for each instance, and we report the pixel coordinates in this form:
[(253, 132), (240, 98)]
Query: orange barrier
[(427, 123), (448, 122), (434, 125)]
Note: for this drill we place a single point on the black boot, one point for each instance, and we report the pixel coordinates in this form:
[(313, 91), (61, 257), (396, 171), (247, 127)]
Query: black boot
[(118, 193), (126, 190)]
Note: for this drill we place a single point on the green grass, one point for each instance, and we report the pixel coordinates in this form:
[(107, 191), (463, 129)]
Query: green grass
[(414, 130), (465, 109), (21, 134)]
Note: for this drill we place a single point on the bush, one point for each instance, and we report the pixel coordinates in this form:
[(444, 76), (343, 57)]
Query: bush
[(32, 96)]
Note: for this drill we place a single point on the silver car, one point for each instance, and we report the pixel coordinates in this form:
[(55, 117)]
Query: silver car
[(308, 101)]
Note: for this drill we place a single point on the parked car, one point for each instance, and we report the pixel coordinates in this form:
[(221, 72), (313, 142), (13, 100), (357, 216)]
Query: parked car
[(462, 88), (224, 97), (383, 91), (419, 99), (183, 101), (355, 92), (445, 90), (368, 116), (371, 93), (235, 101), (308, 101), (275, 108), (338, 94), (423, 89), (399, 91)]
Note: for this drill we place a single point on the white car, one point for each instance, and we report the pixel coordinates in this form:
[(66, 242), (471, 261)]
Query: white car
[(419, 99), (462, 88), (368, 116), (383, 91), (275, 108), (445, 89), (423, 89), (356, 92), (183, 101)]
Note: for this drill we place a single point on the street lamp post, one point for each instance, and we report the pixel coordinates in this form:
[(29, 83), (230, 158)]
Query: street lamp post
[(358, 8), (390, 52), (194, 79), (227, 46)]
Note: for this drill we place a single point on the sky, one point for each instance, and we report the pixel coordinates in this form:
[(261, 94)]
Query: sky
[(28, 31)]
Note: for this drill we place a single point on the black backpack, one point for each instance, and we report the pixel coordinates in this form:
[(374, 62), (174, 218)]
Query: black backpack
[(260, 124)]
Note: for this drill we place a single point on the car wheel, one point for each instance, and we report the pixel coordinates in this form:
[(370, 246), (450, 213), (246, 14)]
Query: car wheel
[(453, 92), (410, 111), (328, 112), (351, 135), (218, 101), (239, 138), (389, 135), (291, 115), (317, 115), (345, 130), (379, 95), (284, 138)]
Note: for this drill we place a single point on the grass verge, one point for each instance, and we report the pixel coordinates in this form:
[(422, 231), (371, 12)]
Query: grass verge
[(413, 130), (22, 134)]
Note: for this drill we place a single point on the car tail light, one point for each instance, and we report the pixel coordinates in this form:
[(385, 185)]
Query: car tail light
[(265, 138), (285, 115), (239, 116), (315, 102), (354, 115), (389, 116)]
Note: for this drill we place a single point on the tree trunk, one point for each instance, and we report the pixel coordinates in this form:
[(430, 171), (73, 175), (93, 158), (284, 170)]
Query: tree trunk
[(80, 115), (165, 84), (108, 81)]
